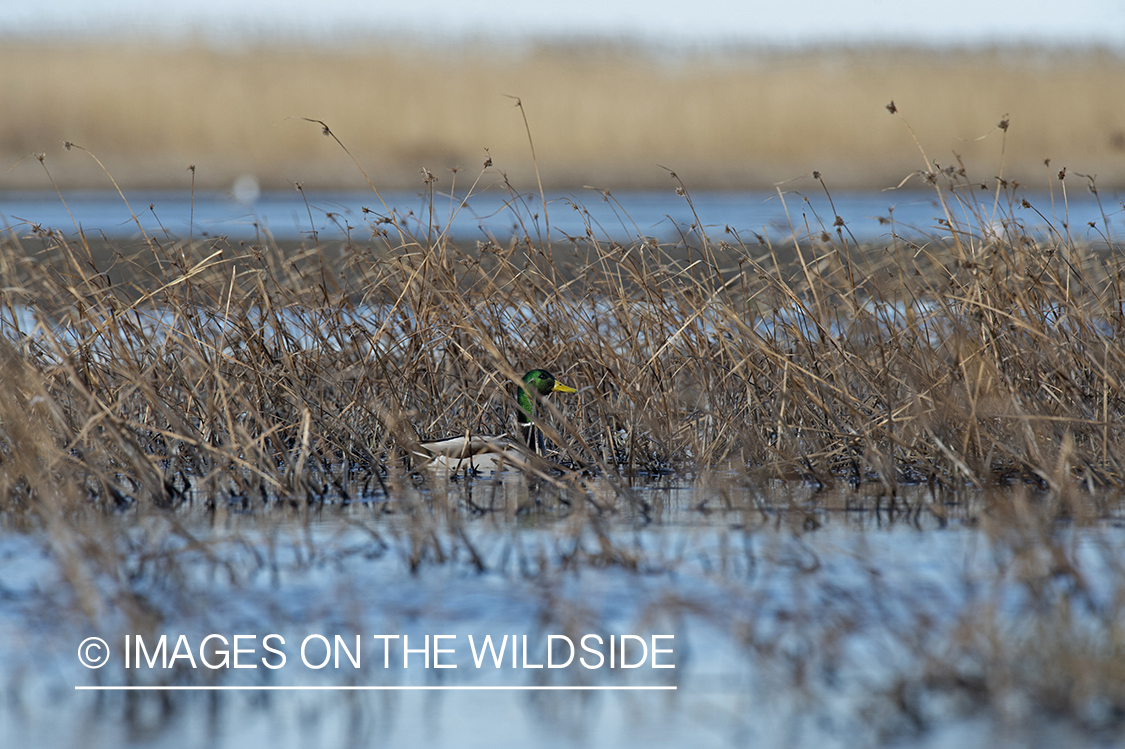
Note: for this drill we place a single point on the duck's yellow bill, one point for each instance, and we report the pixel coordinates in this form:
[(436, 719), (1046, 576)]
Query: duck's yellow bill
[(561, 388)]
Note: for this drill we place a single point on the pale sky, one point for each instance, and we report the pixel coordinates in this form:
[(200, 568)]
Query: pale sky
[(906, 22)]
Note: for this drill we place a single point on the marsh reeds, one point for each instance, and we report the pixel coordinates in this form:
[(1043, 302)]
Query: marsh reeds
[(985, 352), (218, 377)]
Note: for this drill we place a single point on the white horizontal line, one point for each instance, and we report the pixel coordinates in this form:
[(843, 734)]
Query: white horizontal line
[(370, 689)]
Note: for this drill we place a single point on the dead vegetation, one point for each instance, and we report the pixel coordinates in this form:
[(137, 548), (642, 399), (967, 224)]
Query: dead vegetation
[(986, 354), (205, 378)]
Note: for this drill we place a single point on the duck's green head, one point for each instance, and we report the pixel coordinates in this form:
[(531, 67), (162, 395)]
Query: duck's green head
[(542, 382)]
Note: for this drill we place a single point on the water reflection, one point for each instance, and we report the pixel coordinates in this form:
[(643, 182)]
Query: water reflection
[(798, 618)]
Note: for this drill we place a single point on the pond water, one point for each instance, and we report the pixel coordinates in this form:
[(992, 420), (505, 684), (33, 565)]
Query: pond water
[(795, 627), (662, 214)]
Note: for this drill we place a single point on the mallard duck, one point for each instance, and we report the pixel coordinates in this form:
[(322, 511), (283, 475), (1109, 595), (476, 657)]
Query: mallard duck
[(491, 453), (542, 382)]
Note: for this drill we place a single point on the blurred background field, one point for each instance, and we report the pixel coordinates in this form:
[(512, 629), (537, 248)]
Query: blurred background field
[(601, 112)]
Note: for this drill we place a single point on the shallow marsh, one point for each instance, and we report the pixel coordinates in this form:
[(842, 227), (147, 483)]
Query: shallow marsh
[(872, 491)]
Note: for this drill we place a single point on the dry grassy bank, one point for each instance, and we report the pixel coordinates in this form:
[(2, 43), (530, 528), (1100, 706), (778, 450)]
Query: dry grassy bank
[(599, 115)]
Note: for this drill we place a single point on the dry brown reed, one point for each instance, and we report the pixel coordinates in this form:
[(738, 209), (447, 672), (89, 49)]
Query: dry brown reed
[(219, 370), (232, 377)]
